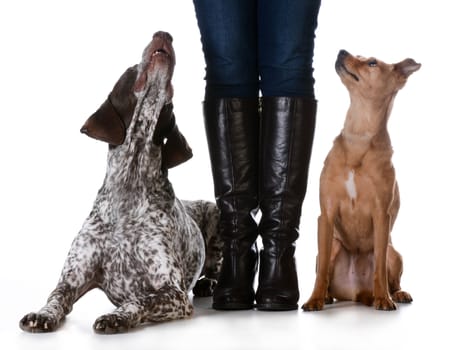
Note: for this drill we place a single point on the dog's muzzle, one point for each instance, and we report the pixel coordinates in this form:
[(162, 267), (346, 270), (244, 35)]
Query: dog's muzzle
[(340, 64)]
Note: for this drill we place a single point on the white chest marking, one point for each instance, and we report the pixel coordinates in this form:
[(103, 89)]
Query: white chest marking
[(350, 185)]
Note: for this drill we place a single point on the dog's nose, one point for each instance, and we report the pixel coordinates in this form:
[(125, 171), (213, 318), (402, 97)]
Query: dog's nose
[(343, 53), (163, 35)]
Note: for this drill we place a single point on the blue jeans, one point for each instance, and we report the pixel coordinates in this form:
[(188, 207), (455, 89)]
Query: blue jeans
[(258, 45)]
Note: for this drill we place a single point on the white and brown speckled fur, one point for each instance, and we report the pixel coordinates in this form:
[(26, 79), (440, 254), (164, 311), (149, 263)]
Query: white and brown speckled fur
[(140, 244)]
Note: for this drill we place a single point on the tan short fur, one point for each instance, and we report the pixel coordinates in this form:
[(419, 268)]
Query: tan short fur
[(359, 195)]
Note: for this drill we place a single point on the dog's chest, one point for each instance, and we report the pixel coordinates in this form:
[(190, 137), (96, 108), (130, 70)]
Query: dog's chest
[(138, 257), (144, 253), (357, 187), (354, 187), (350, 185), (353, 194), (358, 196)]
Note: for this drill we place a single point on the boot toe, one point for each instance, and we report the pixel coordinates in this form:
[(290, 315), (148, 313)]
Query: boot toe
[(276, 303), (232, 302)]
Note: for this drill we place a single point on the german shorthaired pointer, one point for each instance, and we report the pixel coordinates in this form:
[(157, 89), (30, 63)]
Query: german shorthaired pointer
[(140, 244)]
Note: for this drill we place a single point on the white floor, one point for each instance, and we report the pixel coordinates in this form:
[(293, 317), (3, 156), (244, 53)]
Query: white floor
[(427, 323), (59, 60)]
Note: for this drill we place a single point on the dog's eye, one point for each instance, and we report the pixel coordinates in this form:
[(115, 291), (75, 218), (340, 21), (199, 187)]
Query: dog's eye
[(372, 63)]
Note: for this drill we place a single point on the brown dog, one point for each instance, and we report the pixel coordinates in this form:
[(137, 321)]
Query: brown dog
[(359, 195)]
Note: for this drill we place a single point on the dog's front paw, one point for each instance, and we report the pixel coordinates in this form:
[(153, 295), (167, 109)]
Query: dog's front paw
[(204, 287), (314, 304), (38, 323), (384, 304), (111, 324), (401, 296)]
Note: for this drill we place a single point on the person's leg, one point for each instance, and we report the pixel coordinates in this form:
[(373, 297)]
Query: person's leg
[(228, 36), (286, 32), (228, 32), (286, 42)]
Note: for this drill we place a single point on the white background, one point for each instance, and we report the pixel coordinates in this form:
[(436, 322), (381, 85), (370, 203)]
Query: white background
[(59, 60)]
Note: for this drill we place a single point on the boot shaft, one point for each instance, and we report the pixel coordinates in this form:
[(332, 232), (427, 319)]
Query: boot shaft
[(232, 130), (287, 132)]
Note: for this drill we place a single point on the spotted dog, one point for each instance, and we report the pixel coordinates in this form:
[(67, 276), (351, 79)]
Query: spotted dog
[(140, 244)]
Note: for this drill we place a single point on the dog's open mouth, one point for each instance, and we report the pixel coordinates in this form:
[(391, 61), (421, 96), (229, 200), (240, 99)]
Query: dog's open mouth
[(162, 45), (158, 60), (160, 51)]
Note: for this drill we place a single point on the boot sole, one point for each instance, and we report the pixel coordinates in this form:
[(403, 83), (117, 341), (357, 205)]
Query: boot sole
[(232, 306), (276, 307)]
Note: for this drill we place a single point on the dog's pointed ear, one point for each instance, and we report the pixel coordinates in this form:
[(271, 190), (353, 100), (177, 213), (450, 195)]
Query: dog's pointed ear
[(110, 121), (407, 67), (174, 147)]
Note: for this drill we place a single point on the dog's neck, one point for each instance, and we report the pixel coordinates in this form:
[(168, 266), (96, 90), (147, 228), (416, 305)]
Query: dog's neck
[(365, 124), (136, 165)]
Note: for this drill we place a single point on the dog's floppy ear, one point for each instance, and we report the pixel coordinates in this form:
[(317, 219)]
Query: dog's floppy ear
[(105, 125), (174, 147), (176, 150), (110, 121), (407, 67)]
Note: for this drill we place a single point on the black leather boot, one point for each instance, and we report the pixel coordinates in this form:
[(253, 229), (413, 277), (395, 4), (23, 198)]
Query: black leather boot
[(287, 131), (232, 131)]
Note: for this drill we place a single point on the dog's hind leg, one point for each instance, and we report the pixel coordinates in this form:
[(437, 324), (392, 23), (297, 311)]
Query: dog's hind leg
[(395, 270), (78, 276), (206, 215), (167, 303)]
